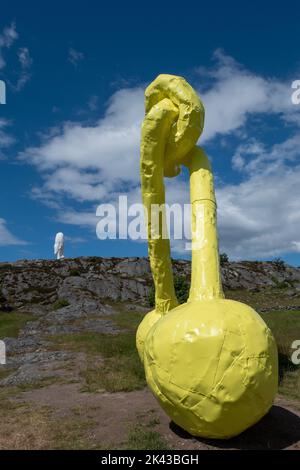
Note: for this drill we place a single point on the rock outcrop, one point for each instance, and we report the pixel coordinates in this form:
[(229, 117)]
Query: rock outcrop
[(88, 282)]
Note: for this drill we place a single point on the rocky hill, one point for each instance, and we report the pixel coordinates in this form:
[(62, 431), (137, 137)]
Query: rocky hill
[(87, 283)]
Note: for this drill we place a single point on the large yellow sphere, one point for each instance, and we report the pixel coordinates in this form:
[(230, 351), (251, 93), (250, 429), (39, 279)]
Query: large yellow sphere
[(143, 329), (212, 365)]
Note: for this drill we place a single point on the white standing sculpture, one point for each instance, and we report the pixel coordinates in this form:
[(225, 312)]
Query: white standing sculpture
[(59, 245)]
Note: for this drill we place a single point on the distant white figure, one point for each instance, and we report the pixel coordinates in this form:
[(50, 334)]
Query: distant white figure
[(59, 245)]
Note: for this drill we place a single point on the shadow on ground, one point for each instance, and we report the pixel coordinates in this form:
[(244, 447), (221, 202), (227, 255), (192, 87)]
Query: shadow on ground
[(279, 429)]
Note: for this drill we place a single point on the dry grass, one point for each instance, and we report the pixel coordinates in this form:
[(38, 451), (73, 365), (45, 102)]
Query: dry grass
[(140, 437), (25, 427), (119, 370)]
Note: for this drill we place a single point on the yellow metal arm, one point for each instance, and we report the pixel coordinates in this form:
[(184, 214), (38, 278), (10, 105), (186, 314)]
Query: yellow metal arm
[(206, 281)]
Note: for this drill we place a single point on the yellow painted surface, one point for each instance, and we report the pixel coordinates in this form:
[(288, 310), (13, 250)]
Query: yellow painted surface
[(212, 362)]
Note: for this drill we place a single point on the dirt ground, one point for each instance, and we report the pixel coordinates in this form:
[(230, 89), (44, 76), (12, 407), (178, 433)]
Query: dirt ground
[(112, 414)]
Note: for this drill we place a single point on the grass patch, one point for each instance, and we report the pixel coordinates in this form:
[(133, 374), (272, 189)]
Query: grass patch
[(11, 323), (285, 326), (120, 370), (120, 374), (290, 384), (42, 383), (60, 303), (268, 299), (4, 372), (141, 438), (128, 320), (72, 433)]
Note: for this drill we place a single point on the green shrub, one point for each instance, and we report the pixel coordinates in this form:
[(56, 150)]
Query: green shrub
[(74, 272), (181, 286), (181, 289), (279, 264), (224, 259), (151, 297)]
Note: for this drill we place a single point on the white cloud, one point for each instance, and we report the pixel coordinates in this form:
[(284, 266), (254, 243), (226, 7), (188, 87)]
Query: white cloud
[(6, 139), (111, 147), (258, 217), (237, 93), (254, 157), (261, 216), (25, 62), (24, 57), (92, 162), (7, 38), (79, 218), (75, 56), (6, 237), (251, 149)]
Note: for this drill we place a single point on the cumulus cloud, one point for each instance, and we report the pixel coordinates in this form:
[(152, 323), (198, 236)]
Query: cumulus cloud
[(93, 164), (6, 237), (254, 156), (236, 93), (90, 162), (261, 216)]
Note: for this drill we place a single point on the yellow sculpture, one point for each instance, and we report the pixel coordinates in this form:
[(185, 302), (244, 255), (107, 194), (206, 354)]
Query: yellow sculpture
[(211, 362)]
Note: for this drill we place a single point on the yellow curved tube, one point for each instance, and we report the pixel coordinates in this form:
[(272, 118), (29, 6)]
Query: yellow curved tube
[(170, 90), (173, 123), (156, 127), (211, 363), (206, 281)]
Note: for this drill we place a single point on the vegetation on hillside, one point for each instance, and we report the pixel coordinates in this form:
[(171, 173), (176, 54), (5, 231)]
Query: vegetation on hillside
[(181, 286)]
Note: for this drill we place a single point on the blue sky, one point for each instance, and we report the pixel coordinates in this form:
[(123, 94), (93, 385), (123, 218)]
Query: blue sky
[(69, 132)]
